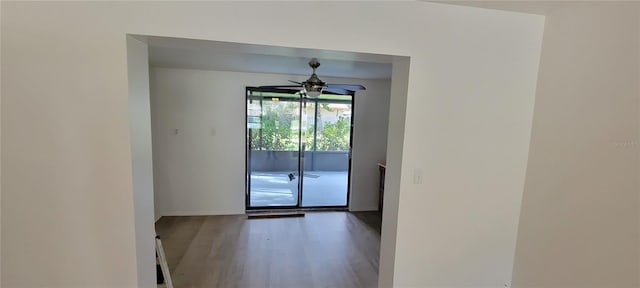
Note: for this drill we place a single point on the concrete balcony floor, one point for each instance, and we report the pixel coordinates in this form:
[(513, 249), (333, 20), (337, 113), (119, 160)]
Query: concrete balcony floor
[(320, 188)]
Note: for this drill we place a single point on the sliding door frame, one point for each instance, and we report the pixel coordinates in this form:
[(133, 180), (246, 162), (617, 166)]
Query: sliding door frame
[(301, 150)]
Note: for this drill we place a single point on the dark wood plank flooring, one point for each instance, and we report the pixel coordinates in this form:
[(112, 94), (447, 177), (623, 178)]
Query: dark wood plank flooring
[(322, 249)]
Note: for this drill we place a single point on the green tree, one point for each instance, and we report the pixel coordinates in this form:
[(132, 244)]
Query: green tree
[(276, 128), (279, 130), (335, 136)]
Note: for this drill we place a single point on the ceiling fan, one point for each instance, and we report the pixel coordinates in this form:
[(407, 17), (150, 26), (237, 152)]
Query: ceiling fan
[(313, 87)]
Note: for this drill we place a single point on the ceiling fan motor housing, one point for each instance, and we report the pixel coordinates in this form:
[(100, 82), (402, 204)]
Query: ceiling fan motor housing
[(314, 80), (314, 83)]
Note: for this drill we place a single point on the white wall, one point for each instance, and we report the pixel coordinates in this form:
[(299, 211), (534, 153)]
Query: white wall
[(465, 152), (197, 173), (141, 158), (1, 92), (395, 140), (579, 222), (371, 124), (67, 159)]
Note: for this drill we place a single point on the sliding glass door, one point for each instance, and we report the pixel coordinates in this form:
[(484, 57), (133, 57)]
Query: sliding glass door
[(273, 133), (327, 157), (298, 150)]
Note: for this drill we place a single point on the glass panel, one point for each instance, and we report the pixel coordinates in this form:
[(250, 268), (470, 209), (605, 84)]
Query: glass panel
[(273, 134), (326, 167), (334, 126)]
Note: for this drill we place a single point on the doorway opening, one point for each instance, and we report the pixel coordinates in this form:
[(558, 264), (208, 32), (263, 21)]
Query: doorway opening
[(192, 89), (298, 150)]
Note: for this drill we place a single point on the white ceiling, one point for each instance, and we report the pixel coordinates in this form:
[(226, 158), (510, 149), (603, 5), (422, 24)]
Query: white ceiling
[(225, 56)]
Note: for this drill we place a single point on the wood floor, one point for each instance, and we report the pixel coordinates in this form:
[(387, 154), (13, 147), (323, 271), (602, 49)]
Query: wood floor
[(322, 249)]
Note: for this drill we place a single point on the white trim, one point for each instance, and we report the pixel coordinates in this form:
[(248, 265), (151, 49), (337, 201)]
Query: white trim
[(201, 213), (363, 208)]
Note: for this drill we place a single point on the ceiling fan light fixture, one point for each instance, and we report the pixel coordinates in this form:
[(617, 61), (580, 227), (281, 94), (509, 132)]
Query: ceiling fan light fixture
[(313, 90)]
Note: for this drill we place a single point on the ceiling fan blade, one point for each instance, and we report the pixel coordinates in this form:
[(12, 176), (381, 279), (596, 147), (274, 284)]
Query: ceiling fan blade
[(299, 83), (338, 91), (351, 87), (281, 86)]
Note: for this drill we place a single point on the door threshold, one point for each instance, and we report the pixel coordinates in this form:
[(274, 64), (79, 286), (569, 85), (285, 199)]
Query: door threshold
[(277, 214), (307, 209), (290, 212)]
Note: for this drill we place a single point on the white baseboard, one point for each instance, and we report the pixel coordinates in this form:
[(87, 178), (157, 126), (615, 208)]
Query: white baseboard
[(230, 212), (201, 213), (362, 209)]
